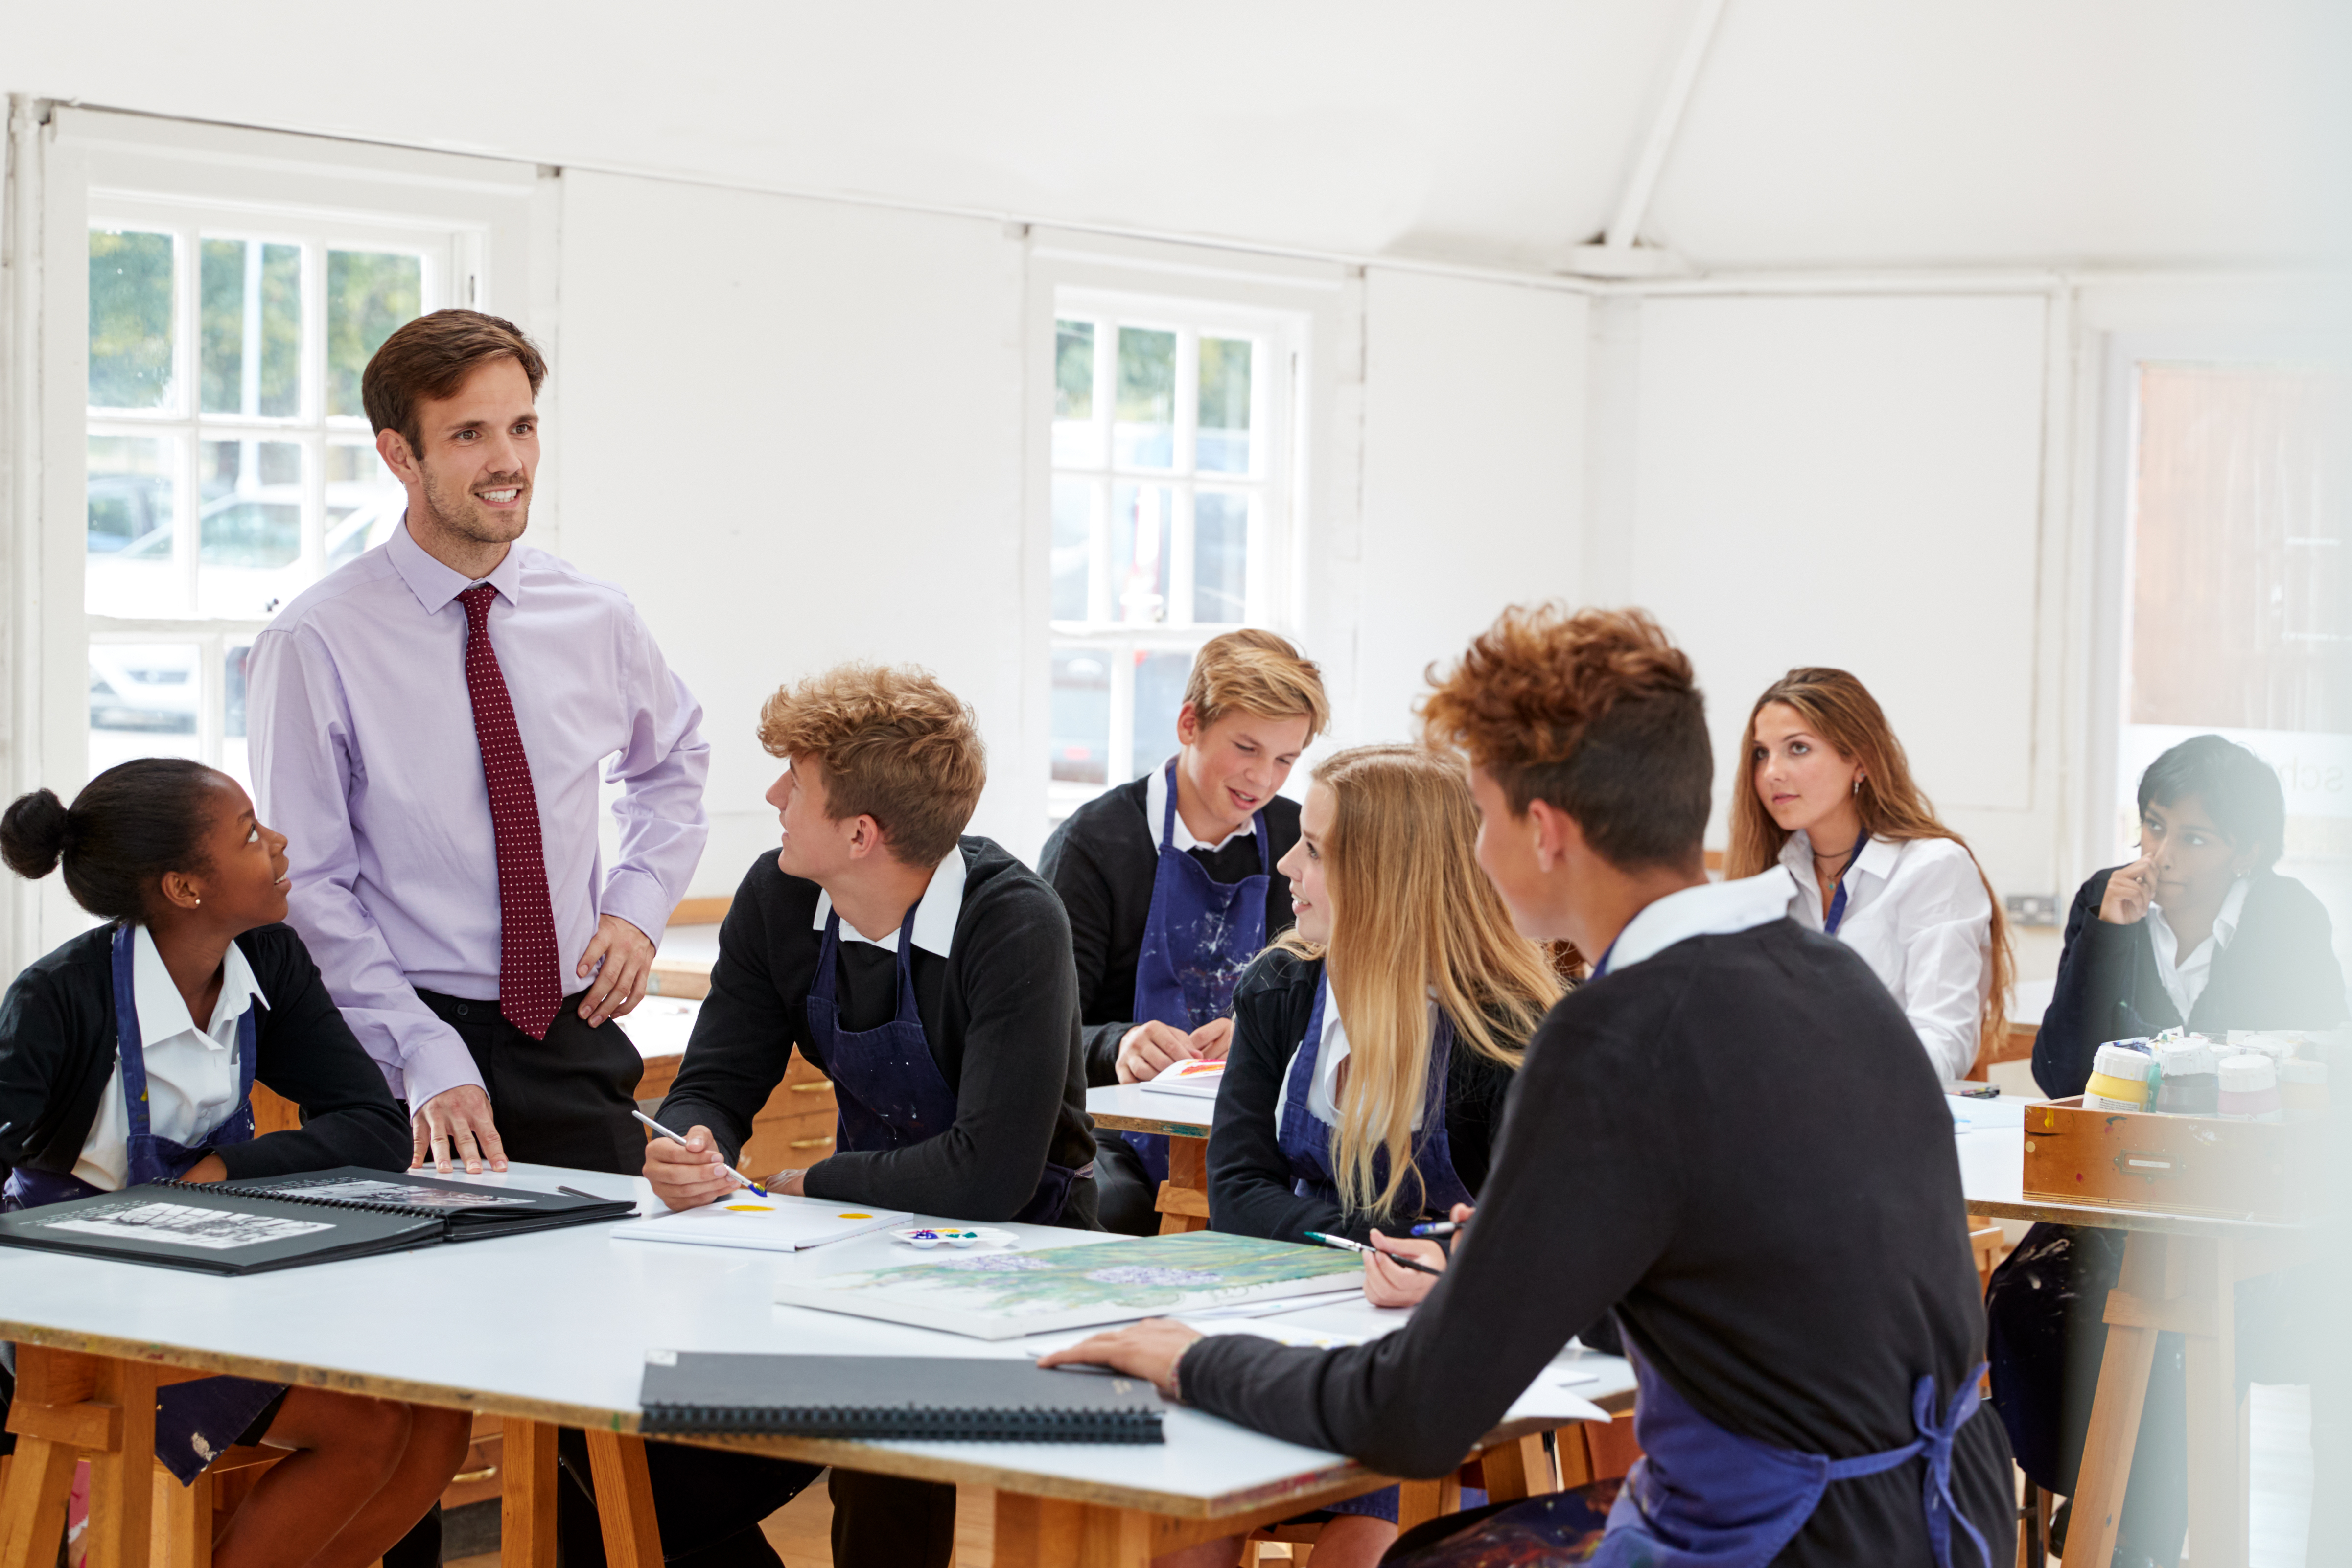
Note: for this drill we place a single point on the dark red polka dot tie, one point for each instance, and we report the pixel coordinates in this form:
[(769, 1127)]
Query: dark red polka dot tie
[(530, 984)]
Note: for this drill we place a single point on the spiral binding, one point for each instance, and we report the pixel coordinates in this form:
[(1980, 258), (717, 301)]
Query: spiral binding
[(1023, 1424), (281, 1195)]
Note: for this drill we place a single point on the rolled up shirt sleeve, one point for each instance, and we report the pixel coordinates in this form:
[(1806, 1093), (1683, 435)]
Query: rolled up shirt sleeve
[(661, 772)]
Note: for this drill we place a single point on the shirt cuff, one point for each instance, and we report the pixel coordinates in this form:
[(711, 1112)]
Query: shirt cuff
[(435, 1063), (638, 899)]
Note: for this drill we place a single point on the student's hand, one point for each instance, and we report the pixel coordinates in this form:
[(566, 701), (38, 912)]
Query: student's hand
[(2130, 890), (1386, 1284), (207, 1170), (455, 1124), (1147, 1350), (1150, 1048), (690, 1173), (1212, 1040), (627, 955)]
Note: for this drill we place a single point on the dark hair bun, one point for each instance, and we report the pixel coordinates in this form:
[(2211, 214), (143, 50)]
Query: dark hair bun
[(34, 833)]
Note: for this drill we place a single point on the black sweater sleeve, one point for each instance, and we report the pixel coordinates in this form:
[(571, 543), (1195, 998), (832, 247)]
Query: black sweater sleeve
[(306, 1052), (1071, 868), (2091, 1003), (1249, 1176), (743, 1033)]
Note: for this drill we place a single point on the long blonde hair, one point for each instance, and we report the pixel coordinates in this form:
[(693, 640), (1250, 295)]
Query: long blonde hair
[(1413, 915), (1840, 710)]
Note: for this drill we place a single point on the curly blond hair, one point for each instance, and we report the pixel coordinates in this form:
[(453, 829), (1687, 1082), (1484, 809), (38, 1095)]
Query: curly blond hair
[(1257, 672), (1593, 712), (895, 745)]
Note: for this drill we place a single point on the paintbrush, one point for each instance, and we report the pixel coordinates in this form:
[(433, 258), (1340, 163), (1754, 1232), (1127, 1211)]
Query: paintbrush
[(1344, 1245), (680, 1137)]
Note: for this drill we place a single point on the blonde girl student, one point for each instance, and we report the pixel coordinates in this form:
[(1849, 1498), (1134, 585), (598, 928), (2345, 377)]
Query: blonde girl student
[(1374, 1043), (108, 1079), (1830, 797)]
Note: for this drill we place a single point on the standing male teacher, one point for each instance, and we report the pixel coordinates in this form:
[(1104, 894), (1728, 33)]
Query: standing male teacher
[(427, 725)]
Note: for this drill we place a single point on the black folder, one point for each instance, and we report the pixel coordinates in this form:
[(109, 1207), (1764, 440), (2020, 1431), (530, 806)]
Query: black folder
[(469, 1211), (884, 1396)]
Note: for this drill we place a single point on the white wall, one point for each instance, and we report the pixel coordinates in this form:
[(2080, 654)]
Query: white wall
[(792, 430)]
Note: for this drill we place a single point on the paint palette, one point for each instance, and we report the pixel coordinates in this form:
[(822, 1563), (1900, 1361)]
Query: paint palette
[(924, 1237)]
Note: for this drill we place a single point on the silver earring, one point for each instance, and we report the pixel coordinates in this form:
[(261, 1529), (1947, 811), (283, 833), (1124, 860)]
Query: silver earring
[(1858, 784)]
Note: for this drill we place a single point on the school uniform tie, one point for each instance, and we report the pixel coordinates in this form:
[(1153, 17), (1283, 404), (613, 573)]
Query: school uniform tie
[(531, 985)]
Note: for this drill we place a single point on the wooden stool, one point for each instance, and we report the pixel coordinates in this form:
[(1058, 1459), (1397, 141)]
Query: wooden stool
[(1184, 1203), (72, 1408), (186, 1515), (1507, 1471)]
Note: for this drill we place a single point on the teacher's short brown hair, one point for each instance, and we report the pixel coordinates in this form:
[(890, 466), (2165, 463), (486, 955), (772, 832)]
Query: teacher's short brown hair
[(430, 357), (895, 745)]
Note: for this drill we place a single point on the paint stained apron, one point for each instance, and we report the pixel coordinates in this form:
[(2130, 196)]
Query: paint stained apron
[(889, 1093), (1199, 936), (194, 1422), (1306, 1141)]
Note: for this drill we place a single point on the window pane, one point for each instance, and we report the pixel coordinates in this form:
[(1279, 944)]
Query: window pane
[(1140, 515), (249, 531), (1220, 556), (129, 541), (1074, 509), (233, 742), (1224, 443), (142, 702), (1145, 432), (369, 296), (249, 328), (1081, 716), (130, 319), (364, 502), (1077, 437), (1158, 694)]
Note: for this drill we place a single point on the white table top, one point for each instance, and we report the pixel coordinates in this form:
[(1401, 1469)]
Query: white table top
[(660, 1025), (1131, 1108), (555, 1327)]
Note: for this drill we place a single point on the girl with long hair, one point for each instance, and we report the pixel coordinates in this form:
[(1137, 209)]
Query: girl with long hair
[(1830, 796)]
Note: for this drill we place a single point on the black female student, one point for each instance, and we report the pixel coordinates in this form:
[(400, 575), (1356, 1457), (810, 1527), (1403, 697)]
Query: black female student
[(2198, 931), (1172, 886), (1374, 1043), (1795, 1290), (107, 1081)]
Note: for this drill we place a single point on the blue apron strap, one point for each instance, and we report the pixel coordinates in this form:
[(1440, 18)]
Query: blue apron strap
[(1836, 915), (126, 1034), (903, 960), (1168, 816), (1937, 1436)]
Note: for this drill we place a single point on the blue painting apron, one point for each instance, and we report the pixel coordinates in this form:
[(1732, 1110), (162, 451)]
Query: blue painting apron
[(1306, 1141), (889, 1093), (1198, 938), (194, 1422)]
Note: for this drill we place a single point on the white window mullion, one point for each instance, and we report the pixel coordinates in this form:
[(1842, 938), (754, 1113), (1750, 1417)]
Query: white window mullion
[(1119, 766), (1187, 413), (1180, 556)]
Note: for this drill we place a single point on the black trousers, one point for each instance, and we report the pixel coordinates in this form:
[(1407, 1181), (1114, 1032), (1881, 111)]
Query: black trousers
[(1127, 1199), (561, 1101)]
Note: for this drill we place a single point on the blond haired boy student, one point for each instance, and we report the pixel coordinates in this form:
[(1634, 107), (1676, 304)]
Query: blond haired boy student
[(927, 973), (1171, 886)]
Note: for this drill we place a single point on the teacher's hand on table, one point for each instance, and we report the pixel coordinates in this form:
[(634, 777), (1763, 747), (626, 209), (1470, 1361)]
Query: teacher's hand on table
[(690, 1173), (1212, 1040), (627, 956), (1386, 1284), (455, 1124), (1150, 1048), (1147, 1350)]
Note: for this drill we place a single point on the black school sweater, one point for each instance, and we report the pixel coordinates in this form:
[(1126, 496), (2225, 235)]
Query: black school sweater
[(2279, 971), (1001, 1013), (1102, 859), (1249, 1177), (1737, 1144), (58, 1049)]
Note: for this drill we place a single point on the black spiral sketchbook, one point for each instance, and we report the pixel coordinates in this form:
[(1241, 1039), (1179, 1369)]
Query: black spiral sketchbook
[(469, 1211), (891, 1396)]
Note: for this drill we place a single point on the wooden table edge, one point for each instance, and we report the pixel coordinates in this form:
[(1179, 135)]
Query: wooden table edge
[(2103, 1217), (1165, 1125)]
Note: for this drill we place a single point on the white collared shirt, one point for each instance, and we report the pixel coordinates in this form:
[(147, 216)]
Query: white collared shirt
[(1323, 1093), (935, 915), (193, 1075), (1155, 811), (1916, 911), (1710, 909), (2184, 978)]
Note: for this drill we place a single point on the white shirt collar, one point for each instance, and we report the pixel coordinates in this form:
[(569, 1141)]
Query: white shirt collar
[(935, 916), (164, 1013), (2184, 975), (1878, 859), (1155, 811), (1711, 909)]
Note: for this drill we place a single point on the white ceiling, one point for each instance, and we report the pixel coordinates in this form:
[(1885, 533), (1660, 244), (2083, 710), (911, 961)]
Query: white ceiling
[(1823, 132)]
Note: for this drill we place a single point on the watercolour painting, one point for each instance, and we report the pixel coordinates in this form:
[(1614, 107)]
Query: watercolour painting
[(1004, 1295)]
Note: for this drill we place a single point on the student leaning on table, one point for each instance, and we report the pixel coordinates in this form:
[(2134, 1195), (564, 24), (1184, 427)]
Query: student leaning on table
[(1373, 1045), (107, 1081), (1173, 884), (928, 976), (2199, 930), (1830, 796), (1795, 1293)]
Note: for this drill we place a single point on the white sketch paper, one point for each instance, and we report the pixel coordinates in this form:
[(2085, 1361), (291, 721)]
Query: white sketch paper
[(401, 1193), (214, 1229)]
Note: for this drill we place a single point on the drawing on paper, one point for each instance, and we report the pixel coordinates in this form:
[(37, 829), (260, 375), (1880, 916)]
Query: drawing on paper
[(1001, 1295), (214, 1229), (355, 1191)]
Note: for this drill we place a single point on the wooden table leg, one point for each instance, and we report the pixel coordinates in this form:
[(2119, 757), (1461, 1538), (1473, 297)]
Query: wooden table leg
[(2115, 1406), (625, 1501), (1184, 1203), (1053, 1533), (1519, 1468), (2217, 1526), (527, 1497), (122, 1482), (32, 1509), (1418, 1503)]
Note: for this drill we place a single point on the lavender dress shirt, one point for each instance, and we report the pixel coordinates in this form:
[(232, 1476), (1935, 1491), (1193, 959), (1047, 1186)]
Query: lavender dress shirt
[(364, 757)]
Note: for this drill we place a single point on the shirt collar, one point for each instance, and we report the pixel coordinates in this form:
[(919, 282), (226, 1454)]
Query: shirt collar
[(935, 916), (1710, 909), (1877, 857), (435, 584), (164, 1013), (1155, 811)]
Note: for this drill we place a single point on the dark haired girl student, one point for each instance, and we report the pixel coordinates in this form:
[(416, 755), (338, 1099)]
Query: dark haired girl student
[(107, 1080), (1374, 1044), (2198, 931)]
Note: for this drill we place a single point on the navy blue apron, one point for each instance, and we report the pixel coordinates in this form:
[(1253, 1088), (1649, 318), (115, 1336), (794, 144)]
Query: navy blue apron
[(1835, 916), (1307, 1142), (889, 1093), (1199, 937), (194, 1422)]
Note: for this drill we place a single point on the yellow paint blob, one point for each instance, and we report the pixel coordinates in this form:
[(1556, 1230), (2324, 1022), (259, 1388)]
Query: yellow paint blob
[(749, 1208), (853, 1217)]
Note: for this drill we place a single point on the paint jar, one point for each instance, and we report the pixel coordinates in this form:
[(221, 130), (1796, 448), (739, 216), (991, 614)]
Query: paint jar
[(2249, 1089), (2119, 1075), (2303, 1089), (2188, 1081)]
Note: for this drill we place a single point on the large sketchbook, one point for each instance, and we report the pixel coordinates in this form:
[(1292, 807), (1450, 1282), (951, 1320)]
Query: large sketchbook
[(467, 1211), (1004, 1295), (883, 1397)]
